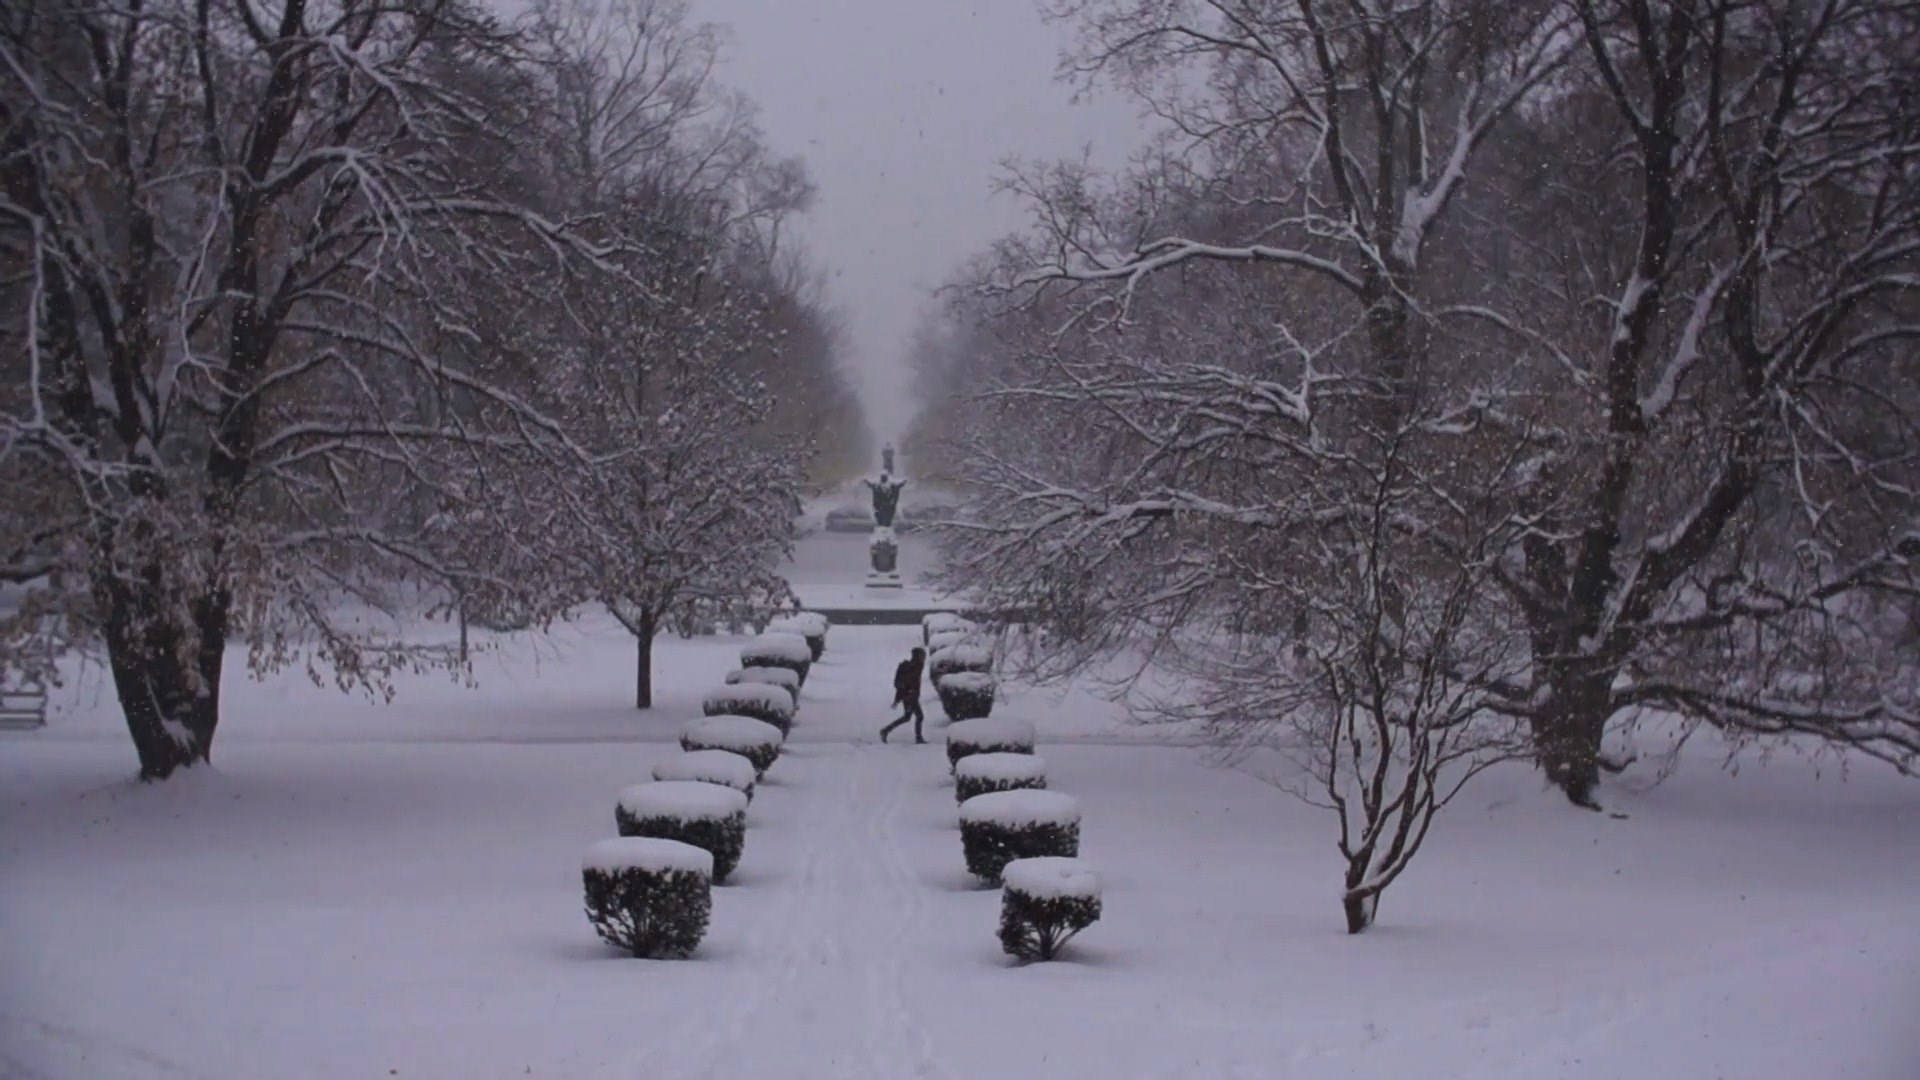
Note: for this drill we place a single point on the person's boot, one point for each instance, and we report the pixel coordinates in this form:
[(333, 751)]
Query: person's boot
[(883, 732)]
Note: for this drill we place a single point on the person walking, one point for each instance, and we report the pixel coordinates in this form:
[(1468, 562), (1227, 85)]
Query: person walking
[(906, 692)]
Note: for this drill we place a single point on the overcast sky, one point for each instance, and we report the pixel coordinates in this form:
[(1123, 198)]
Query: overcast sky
[(903, 110)]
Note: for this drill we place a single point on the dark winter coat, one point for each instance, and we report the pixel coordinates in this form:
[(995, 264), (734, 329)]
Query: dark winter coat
[(906, 680)]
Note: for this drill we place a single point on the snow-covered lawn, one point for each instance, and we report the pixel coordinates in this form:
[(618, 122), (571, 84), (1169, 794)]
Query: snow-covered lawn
[(367, 890)]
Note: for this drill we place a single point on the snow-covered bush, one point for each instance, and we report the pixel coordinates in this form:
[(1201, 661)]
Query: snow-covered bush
[(808, 624), (1044, 903), (770, 704), (711, 767), (988, 736), (755, 740), (1001, 826), (784, 678), (648, 896), (965, 695), (977, 774), (778, 650), (941, 639), (962, 657), (941, 621), (708, 816)]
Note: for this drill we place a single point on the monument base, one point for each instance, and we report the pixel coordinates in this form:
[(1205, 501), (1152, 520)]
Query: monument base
[(884, 579)]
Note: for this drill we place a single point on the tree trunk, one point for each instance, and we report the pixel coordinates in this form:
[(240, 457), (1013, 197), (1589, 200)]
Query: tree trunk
[(1567, 734), (169, 693), (1359, 904), (643, 663), (1359, 909)]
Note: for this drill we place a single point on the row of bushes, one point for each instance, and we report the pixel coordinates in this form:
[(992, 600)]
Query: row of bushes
[(1013, 831), (960, 666), (649, 891)]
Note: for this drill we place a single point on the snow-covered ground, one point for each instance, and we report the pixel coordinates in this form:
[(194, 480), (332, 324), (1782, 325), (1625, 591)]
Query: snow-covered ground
[(365, 890)]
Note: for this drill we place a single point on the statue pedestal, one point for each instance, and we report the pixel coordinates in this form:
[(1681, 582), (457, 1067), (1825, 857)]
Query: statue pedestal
[(883, 552)]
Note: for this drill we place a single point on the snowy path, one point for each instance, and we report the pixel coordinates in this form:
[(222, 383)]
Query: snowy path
[(365, 890), (841, 908)]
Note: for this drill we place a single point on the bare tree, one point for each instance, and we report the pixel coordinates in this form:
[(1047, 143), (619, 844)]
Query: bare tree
[(1727, 512), (1715, 464), (671, 376), (1383, 708), (232, 234)]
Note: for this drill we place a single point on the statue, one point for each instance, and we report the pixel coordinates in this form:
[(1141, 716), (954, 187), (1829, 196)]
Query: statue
[(883, 550), (886, 499)]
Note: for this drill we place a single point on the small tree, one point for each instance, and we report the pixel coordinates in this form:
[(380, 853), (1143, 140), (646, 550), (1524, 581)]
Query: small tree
[(1380, 703)]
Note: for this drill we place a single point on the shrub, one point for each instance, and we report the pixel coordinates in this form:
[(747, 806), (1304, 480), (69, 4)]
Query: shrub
[(708, 816), (709, 766), (1001, 826), (965, 695), (1046, 901), (784, 678), (978, 774), (939, 621), (988, 736), (647, 896), (770, 704), (810, 625), (779, 650), (755, 740), (962, 657)]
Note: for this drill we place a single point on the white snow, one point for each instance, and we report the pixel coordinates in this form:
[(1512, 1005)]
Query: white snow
[(351, 874), (789, 648), (1001, 767), (1023, 806), (711, 766), (730, 732), (1051, 877), (804, 623), (647, 853), (683, 800), (749, 695), (977, 681), (961, 657), (991, 731)]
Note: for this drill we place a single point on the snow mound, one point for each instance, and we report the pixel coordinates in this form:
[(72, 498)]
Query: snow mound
[(1001, 768), (787, 648), (976, 682), (1052, 877), (683, 800), (1025, 806), (708, 766), (990, 731), (961, 657), (730, 732), (749, 699), (804, 623), (647, 853)]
